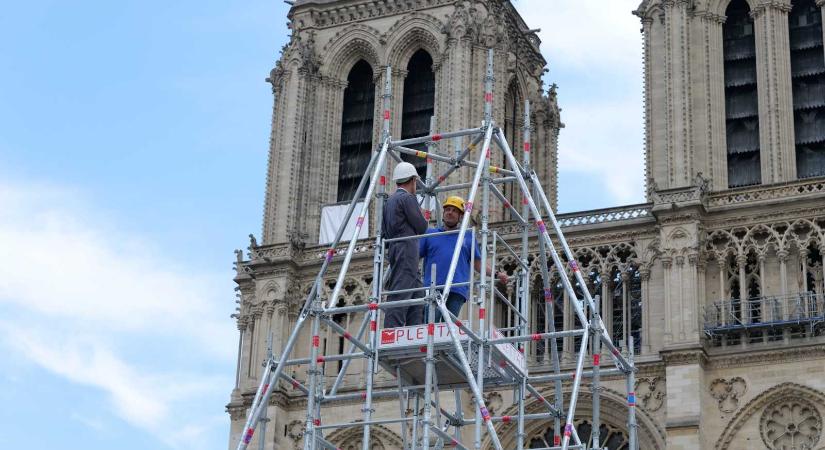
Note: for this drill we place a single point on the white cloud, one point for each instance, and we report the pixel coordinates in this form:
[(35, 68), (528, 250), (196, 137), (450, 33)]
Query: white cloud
[(100, 307), (594, 51), (612, 152), (67, 261), (586, 33)]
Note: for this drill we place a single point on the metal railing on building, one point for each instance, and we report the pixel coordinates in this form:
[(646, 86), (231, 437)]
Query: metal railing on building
[(804, 308)]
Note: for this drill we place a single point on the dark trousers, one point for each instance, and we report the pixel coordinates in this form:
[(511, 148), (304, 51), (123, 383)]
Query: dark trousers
[(404, 316), (454, 303)]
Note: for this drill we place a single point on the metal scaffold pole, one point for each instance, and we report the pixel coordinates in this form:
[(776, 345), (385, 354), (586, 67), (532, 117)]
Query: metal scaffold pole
[(438, 356), (378, 265)]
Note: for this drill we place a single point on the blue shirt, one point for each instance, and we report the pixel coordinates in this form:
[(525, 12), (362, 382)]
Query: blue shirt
[(438, 250)]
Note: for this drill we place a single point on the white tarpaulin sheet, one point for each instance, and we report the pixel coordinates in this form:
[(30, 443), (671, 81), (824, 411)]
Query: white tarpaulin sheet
[(331, 218)]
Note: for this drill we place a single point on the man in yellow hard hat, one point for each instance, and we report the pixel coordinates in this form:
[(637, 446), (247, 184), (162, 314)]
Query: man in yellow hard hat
[(438, 251)]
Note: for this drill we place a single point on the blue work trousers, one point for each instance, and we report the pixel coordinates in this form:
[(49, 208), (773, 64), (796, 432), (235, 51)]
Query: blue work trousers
[(454, 303)]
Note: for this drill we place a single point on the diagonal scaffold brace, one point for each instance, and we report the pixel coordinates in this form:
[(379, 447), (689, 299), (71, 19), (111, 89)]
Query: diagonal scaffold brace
[(472, 345)]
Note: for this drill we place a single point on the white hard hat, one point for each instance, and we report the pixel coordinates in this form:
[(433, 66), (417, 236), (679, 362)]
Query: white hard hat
[(403, 171)]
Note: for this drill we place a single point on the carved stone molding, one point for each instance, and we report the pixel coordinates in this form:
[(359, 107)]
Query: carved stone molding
[(650, 392), (295, 430), (685, 357), (494, 401), (236, 413), (762, 193), (728, 392), (786, 355)]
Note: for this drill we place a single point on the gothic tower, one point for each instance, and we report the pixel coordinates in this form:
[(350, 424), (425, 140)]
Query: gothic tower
[(735, 108), (327, 93)]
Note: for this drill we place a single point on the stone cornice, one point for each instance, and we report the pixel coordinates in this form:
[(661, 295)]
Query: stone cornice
[(685, 357), (326, 16), (778, 355)]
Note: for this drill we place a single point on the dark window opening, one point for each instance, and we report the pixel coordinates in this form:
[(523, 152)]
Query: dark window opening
[(513, 109), (808, 81), (356, 129), (741, 101), (419, 105)]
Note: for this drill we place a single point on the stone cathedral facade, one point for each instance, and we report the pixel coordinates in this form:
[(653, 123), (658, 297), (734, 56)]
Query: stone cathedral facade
[(719, 276)]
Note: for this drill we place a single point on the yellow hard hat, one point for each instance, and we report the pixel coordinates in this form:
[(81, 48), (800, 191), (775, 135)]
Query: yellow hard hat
[(456, 201)]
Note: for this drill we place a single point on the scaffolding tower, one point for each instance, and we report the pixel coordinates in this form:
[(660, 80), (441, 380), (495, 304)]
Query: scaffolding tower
[(454, 355)]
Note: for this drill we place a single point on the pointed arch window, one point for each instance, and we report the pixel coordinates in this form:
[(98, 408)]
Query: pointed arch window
[(513, 108), (419, 104), (741, 104), (356, 129), (808, 81)]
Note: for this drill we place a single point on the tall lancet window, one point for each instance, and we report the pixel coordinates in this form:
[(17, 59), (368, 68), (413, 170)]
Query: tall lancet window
[(513, 120), (356, 129), (419, 101), (741, 105), (808, 77)]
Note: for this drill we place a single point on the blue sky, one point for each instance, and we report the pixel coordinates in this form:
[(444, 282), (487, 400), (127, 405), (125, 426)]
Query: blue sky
[(133, 145)]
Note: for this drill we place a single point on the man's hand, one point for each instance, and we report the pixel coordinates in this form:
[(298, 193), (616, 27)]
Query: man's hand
[(502, 277)]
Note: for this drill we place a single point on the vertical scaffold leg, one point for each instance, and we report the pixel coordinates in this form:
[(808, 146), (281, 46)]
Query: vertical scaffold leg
[(595, 387), (542, 230), (453, 329), (312, 420), (631, 399), (430, 362)]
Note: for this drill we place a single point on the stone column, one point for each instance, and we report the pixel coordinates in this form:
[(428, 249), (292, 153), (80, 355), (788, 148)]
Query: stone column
[(744, 313), (710, 121), (648, 62), (821, 283), (697, 275), (762, 293), (773, 67), (626, 328), (287, 145), (644, 272), (782, 256), (723, 300), (678, 84), (258, 342), (607, 303), (241, 329), (680, 295), (246, 360), (667, 263)]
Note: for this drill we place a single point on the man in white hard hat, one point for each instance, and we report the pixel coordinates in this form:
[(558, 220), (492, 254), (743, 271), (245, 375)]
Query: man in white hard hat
[(402, 217)]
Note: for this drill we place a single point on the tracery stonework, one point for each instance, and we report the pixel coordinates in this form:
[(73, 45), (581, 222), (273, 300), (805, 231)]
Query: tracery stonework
[(650, 393), (793, 424), (728, 392)]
